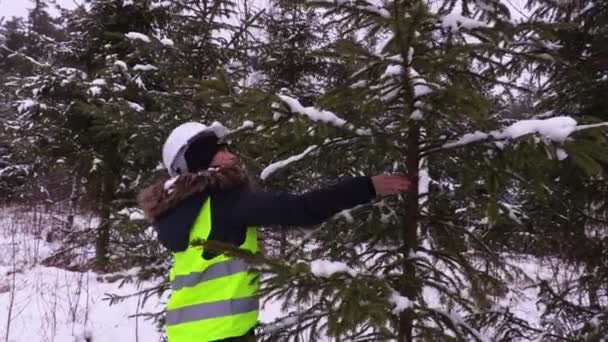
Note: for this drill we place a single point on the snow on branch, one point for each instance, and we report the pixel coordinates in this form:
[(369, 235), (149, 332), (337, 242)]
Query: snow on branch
[(584, 127), (272, 168), (401, 303), (26, 105), (245, 125), (362, 6), (556, 129), (392, 86), (30, 59), (167, 42), (326, 268), (138, 36), (145, 67), (455, 21), (136, 106), (315, 114)]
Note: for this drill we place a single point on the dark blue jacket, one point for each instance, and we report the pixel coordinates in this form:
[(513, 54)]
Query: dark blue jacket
[(233, 210)]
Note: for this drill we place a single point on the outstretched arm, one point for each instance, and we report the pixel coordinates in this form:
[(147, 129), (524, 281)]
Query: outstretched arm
[(311, 208)]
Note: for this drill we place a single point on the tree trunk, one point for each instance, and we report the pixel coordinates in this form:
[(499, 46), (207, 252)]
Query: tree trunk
[(73, 201), (408, 286), (410, 234), (102, 240)]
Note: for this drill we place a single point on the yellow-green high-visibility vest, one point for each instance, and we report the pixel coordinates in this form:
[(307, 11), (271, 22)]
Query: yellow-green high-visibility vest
[(211, 299)]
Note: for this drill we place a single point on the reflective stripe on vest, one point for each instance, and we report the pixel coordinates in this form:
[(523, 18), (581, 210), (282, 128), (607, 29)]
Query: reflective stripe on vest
[(211, 299), (212, 310), (221, 269)]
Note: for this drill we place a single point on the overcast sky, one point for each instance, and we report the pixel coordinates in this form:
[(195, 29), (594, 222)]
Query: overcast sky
[(18, 8)]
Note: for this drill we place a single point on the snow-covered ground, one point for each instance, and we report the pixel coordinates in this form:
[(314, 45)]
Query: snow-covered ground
[(48, 304), (39, 303)]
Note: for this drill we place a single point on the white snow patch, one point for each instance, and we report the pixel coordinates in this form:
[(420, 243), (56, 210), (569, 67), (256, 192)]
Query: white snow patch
[(376, 10), (96, 163), (121, 65), (118, 87), (167, 42), (140, 83), (99, 82), (161, 4), (25, 105), (94, 91), (555, 129), (424, 181), (135, 106), (276, 116), (393, 70), (366, 132), (416, 115), (455, 21), (561, 154), (421, 86), (410, 55), (246, 124), (365, 6), (467, 139), (144, 67), (134, 214), (401, 303), (272, 168), (359, 84), (327, 268), (311, 112), (138, 36)]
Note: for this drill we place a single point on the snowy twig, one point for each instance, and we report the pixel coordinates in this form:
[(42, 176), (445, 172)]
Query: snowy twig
[(360, 6), (272, 168), (456, 322), (247, 124), (584, 127), (556, 129), (286, 322), (32, 60), (315, 114), (312, 113)]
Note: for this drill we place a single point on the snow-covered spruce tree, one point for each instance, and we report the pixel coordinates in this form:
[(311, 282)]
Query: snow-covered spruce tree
[(575, 305), (94, 110), (19, 37), (8, 31), (427, 266), (150, 66)]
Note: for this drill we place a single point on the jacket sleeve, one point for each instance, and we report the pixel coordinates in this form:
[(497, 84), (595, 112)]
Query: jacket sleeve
[(311, 208)]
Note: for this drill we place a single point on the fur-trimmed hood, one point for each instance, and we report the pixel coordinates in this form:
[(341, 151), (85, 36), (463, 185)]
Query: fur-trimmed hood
[(165, 195)]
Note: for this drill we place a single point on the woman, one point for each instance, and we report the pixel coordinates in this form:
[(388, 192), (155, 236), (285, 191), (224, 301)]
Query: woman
[(214, 297)]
